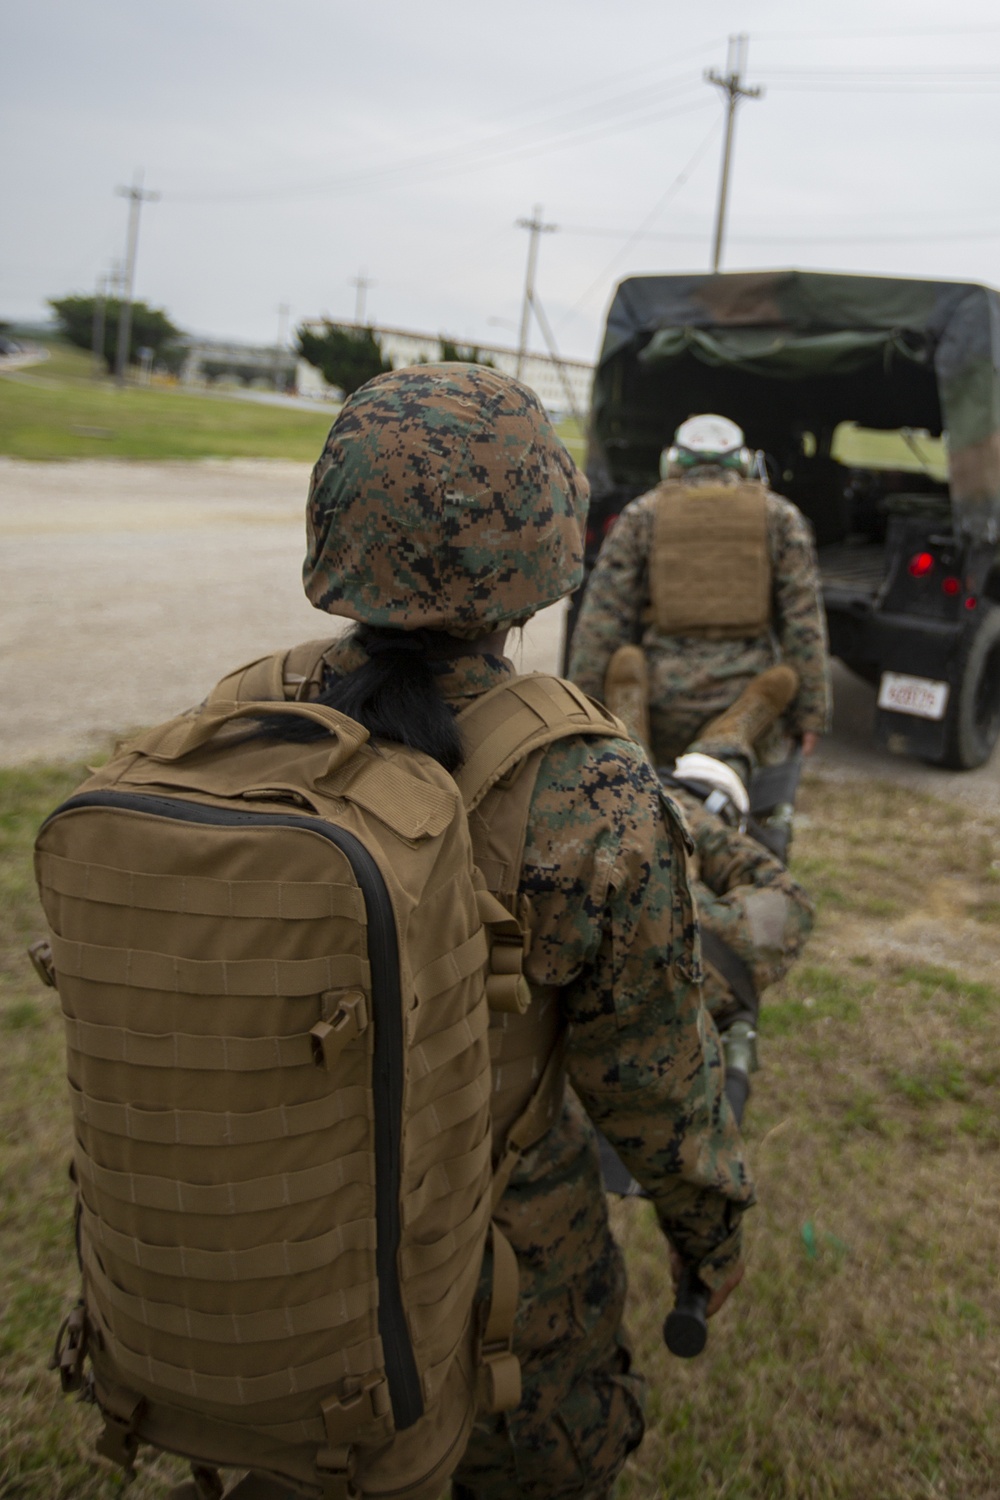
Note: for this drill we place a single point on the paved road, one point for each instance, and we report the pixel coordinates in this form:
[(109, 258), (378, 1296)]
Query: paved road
[(126, 589)]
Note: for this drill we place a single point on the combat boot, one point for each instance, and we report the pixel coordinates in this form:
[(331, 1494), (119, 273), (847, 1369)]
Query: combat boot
[(626, 692)]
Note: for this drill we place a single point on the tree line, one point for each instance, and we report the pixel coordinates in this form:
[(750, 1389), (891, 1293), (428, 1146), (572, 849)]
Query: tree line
[(346, 357)]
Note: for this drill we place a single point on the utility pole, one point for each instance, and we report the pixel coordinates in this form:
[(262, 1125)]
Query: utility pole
[(536, 227), (362, 282), (137, 196), (732, 87)]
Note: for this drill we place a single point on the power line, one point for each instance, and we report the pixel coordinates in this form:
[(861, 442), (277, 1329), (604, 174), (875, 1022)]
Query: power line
[(675, 186), (622, 114)]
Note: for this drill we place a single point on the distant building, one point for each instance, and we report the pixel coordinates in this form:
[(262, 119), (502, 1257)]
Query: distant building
[(209, 360), (561, 385)]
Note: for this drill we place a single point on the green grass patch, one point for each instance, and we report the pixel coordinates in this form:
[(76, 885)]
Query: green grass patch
[(56, 410), (813, 993)]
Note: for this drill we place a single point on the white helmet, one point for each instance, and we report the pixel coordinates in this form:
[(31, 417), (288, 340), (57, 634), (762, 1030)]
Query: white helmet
[(706, 439)]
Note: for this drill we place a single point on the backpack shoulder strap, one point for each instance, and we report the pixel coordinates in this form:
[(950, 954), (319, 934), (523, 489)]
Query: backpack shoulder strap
[(507, 731), (523, 714), (282, 674)]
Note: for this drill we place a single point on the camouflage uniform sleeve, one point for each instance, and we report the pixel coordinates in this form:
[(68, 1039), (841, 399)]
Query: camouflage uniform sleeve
[(611, 613), (613, 926), (799, 621), (747, 897)]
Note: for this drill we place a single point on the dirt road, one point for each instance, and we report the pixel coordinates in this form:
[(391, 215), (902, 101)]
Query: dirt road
[(127, 589)]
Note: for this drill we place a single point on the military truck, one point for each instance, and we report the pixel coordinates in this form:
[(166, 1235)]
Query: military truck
[(875, 403)]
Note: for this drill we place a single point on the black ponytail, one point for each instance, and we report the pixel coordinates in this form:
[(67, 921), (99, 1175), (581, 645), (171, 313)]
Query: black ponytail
[(395, 695)]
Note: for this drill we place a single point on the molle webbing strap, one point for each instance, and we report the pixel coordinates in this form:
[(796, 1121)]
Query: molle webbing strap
[(140, 969), (291, 1320), (244, 1390), (189, 1127), (258, 1262), (503, 726), (443, 1046), (446, 1177), (288, 900), (710, 572), (257, 1195), (452, 967), (173, 1049)]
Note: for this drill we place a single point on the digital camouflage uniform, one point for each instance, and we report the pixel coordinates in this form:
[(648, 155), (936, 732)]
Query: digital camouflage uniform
[(747, 898), (422, 513), (693, 678)]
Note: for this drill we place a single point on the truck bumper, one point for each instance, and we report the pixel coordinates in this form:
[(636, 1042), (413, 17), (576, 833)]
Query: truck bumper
[(899, 643)]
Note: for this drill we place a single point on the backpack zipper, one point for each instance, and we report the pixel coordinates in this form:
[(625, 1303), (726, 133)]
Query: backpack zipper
[(387, 1061)]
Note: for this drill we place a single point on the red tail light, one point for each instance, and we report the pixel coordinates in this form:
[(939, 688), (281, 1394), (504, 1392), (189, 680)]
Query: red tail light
[(951, 586), (971, 602), (920, 564)]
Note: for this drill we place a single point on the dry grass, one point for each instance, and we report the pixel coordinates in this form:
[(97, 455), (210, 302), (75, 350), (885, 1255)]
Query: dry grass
[(862, 1355)]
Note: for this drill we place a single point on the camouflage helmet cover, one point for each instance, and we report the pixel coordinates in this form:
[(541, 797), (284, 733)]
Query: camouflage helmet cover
[(443, 499)]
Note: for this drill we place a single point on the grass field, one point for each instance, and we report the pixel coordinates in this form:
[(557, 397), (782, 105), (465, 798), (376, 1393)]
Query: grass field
[(56, 410), (861, 1358)]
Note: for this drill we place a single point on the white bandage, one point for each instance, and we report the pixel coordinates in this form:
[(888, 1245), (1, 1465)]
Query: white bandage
[(705, 771)]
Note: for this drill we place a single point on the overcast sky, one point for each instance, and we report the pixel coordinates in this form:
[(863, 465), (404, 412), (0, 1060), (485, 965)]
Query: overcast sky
[(300, 144)]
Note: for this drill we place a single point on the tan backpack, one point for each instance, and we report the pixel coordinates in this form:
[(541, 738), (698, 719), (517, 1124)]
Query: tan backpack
[(277, 964)]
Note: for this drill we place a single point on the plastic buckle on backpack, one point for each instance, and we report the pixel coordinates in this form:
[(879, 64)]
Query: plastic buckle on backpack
[(40, 954), (335, 1470), (121, 1410), (70, 1349), (330, 1037)]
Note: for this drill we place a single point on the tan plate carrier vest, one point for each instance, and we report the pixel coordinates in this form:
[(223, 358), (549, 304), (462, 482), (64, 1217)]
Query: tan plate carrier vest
[(709, 568), (303, 1064)]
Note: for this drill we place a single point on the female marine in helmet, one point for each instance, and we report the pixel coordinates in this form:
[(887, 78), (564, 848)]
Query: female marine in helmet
[(443, 512)]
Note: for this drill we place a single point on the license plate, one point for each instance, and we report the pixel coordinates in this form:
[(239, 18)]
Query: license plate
[(920, 696)]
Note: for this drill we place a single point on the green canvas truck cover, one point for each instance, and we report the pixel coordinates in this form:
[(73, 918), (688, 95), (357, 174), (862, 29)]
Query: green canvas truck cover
[(804, 347)]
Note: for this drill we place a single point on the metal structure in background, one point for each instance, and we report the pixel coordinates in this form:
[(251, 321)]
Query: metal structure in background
[(732, 86), (535, 227), (137, 196)]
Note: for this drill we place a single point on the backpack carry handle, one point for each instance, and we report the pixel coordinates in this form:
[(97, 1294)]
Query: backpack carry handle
[(173, 741)]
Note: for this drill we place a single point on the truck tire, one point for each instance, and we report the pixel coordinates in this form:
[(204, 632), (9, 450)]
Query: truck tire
[(975, 715)]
